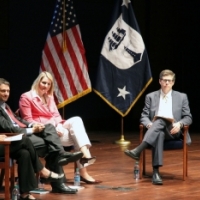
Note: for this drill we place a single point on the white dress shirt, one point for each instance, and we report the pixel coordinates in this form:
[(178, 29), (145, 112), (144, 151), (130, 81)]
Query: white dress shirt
[(165, 106)]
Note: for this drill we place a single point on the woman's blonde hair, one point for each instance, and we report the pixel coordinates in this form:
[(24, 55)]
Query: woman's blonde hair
[(36, 83)]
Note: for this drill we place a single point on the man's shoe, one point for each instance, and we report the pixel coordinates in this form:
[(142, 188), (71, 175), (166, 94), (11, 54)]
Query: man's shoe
[(156, 179), (51, 179), (62, 188), (65, 158), (133, 154), (69, 154)]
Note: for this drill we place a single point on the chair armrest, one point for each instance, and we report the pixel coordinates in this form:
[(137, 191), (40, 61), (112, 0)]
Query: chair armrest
[(142, 131), (185, 130), (5, 142)]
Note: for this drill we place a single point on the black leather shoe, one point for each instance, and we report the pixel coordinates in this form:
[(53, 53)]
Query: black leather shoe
[(62, 188), (156, 179), (66, 157), (51, 179), (87, 161), (132, 154)]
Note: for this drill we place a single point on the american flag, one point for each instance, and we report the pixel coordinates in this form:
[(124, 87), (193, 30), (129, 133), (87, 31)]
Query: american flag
[(64, 55)]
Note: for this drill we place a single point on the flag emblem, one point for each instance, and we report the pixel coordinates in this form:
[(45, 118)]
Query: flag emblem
[(124, 43)]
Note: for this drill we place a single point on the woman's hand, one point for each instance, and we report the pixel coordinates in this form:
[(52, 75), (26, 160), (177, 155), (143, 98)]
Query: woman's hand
[(67, 126), (60, 134), (59, 129)]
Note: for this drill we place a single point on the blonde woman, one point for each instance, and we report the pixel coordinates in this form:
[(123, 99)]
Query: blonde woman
[(38, 105)]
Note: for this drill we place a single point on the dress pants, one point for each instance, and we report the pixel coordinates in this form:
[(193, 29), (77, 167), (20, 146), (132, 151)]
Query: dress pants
[(28, 162), (75, 136), (155, 136), (51, 141)]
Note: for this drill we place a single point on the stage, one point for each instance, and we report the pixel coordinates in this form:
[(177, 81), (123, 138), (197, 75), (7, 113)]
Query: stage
[(115, 169)]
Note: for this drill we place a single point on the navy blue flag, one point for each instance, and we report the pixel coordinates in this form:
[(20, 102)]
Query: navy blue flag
[(124, 70)]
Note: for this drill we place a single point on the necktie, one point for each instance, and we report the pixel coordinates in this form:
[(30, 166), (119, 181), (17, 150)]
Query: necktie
[(165, 98), (9, 112)]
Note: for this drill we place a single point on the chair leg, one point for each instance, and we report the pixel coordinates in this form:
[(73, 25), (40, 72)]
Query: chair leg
[(185, 156), (12, 177), (75, 166), (141, 165), (7, 184), (186, 160), (2, 175), (144, 162)]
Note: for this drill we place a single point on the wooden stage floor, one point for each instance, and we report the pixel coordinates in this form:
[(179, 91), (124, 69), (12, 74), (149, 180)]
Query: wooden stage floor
[(115, 169)]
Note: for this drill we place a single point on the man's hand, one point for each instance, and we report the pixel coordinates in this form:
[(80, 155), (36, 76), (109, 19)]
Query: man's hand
[(176, 128), (149, 125), (2, 137), (37, 128)]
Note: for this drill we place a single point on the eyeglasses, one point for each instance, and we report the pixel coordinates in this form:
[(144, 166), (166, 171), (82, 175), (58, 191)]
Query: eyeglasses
[(167, 80)]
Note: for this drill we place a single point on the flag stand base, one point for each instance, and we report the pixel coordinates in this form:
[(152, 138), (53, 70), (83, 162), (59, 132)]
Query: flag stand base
[(122, 141)]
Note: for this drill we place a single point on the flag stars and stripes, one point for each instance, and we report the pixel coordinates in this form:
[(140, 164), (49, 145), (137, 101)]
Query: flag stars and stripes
[(69, 67)]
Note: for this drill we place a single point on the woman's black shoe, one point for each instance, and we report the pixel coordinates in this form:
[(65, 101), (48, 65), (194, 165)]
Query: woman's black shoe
[(87, 161), (51, 179)]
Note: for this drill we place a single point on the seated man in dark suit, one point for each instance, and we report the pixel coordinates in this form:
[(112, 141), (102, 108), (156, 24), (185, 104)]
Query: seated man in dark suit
[(56, 157), (28, 162), (165, 112)]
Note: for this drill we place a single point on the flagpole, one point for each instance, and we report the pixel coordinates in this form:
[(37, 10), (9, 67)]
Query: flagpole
[(63, 112), (122, 141)]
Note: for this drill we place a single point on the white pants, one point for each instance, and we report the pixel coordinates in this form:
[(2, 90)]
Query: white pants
[(76, 136)]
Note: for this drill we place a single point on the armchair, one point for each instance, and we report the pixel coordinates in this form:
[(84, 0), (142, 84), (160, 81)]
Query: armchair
[(7, 170), (168, 145)]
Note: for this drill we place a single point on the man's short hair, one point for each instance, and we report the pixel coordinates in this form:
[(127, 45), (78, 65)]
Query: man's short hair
[(4, 81), (167, 72)]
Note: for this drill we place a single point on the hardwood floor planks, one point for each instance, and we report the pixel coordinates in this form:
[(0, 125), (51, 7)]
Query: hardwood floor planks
[(115, 169)]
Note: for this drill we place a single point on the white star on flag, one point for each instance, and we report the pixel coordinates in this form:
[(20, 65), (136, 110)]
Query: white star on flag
[(123, 92), (125, 2)]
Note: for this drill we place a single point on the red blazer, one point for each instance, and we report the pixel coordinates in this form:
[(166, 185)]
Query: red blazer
[(32, 109)]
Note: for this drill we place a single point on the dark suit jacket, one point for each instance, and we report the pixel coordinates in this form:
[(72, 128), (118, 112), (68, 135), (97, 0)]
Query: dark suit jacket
[(6, 125), (180, 109)]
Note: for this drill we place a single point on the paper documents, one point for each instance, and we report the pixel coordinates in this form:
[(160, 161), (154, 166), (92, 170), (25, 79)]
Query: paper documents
[(167, 118), (14, 137)]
